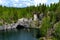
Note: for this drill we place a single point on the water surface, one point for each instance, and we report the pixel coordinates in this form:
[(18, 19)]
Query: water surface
[(17, 35)]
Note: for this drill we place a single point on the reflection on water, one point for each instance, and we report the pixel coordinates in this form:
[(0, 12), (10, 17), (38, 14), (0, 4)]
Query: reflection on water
[(17, 35)]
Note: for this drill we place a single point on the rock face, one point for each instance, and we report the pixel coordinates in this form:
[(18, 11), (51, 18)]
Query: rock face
[(38, 16), (41, 16), (35, 17), (24, 22)]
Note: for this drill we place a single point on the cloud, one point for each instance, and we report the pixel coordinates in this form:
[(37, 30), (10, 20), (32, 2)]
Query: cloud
[(16, 0), (17, 5), (22, 3), (37, 2), (0, 1), (52, 2)]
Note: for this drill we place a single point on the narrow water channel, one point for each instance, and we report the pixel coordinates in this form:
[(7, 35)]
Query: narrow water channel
[(17, 35)]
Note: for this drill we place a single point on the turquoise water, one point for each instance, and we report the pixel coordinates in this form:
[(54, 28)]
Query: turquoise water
[(17, 35)]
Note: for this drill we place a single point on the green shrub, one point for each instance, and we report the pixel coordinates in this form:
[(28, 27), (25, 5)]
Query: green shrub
[(0, 24), (57, 30), (43, 38), (45, 25)]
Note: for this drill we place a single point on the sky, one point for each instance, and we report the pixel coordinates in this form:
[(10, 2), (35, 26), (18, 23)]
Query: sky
[(25, 3)]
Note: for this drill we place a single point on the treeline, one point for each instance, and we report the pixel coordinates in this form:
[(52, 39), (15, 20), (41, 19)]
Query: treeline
[(12, 14)]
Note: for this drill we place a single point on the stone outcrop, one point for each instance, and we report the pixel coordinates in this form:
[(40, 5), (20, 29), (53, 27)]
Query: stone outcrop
[(24, 22)]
